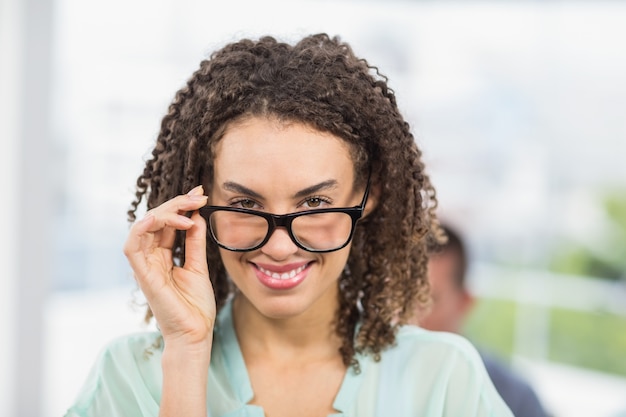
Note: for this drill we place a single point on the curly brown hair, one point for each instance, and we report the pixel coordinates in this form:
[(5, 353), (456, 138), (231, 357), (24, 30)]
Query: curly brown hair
[(320, 82)]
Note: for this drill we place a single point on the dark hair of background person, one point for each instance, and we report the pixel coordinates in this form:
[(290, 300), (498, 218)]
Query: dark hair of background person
[(454, 244)]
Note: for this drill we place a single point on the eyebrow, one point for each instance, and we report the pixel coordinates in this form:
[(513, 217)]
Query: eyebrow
[(238, 188), (325, 185)]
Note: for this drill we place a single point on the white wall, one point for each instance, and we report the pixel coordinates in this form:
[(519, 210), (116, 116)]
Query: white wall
[(9, 70), (25, 209)]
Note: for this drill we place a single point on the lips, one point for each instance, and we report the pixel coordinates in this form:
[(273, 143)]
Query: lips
[(281, 277)]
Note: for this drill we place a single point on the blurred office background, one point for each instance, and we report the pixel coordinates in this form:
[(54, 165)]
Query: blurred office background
[(519, 107)]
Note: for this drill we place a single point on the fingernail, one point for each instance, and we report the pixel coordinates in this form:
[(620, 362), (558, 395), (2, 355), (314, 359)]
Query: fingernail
[(198, 197), (195, 191)]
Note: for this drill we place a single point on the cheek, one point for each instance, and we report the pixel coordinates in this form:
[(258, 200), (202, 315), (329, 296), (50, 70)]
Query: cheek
[(232, 261), (339, 259)]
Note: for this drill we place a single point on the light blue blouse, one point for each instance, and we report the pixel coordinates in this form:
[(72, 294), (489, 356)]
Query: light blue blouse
[(426, 374)]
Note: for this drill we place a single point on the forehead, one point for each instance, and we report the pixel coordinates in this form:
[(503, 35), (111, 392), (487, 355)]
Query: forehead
[(259, 150)]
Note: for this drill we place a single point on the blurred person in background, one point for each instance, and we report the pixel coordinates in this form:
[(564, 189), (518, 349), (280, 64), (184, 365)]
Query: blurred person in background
[(451, 304)]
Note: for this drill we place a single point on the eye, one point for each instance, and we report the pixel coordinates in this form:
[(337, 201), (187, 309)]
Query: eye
[(245, 203), (315, 202)]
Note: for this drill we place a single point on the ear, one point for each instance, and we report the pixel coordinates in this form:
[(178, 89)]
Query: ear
[(372, 199), (467, 302)]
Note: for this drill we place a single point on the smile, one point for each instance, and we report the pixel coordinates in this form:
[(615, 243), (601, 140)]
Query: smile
[(283, 275)]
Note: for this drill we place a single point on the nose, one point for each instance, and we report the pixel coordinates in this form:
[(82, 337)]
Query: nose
[(279, 246)]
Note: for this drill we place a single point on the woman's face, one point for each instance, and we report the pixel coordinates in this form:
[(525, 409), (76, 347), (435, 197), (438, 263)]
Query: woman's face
[(266, 165)]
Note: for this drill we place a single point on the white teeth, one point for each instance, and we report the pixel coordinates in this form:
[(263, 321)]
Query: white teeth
[(284, 275)]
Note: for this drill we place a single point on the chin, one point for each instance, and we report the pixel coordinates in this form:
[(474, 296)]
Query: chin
[(281, 309)]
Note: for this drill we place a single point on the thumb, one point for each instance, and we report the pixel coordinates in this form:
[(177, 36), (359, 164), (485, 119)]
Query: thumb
[(195, 246)]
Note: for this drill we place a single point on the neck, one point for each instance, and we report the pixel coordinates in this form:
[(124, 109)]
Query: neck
[(304, 337)]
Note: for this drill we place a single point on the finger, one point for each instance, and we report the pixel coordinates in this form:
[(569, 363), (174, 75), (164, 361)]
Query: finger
[(163, 230), (184, 203), (133, 244), (195, 246), (152, 232), (150, 228), (158, 228), (195, 196)]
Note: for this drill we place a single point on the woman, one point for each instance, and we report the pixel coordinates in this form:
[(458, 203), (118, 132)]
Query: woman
[(284, 246)]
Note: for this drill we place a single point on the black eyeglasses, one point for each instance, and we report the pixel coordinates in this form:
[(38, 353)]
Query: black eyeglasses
[(322, 230)]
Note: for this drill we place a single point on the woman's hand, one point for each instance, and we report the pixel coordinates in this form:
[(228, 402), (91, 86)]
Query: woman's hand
[(181, 298)]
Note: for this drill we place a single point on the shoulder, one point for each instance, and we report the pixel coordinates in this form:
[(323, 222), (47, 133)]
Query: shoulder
[(142, 342), (425, 345), (126, 377), (514, 389), (445, 355), (128, 355), (501, 373), (131, 350), (437, 371), (437, 357)]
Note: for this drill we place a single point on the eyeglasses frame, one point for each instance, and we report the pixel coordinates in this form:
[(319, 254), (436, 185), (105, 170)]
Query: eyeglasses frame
[(275, 221)]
